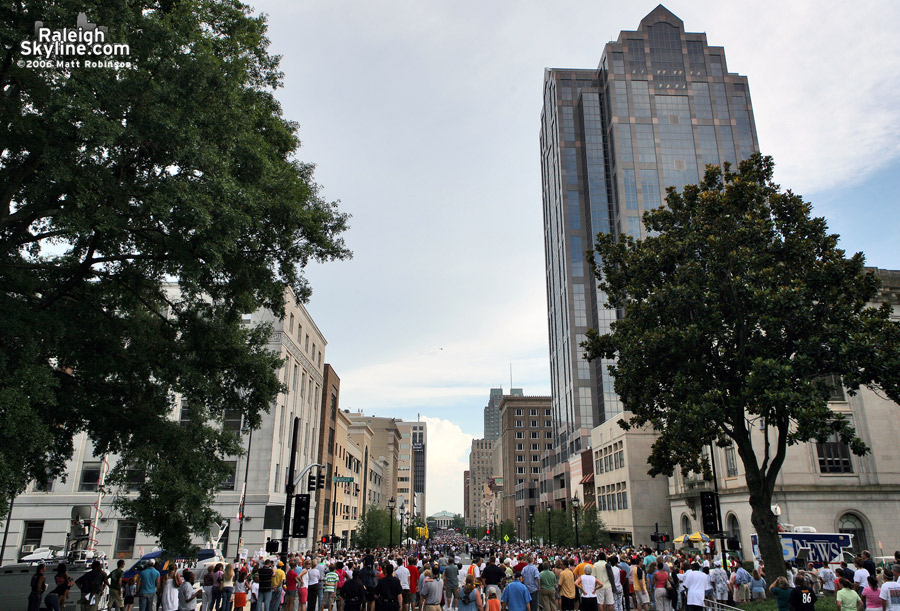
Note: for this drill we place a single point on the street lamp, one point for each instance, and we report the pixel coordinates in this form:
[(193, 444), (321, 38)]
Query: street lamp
[(391, 506), (402, 513), (549, 510), (530, 523), (575, 504), (244, 429), (519, 527)]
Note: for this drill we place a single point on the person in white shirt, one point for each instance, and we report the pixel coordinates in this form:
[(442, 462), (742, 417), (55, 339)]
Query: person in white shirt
[(402, 573), (826, 580), (861, 576), (695, 582), (890, 589)]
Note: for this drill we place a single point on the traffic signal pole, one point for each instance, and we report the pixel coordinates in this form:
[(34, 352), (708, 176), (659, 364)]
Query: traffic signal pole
[(712, 457), (290, 485), (289, 494)]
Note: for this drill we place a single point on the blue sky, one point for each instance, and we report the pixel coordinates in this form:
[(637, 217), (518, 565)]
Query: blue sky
[(423, 119)]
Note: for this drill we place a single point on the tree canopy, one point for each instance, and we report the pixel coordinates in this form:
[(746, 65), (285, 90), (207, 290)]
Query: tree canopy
[(740, 309), (113, 181)]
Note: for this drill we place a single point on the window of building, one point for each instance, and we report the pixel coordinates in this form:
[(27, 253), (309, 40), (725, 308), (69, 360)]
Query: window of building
[(734, 527), (519, 424), (520, 458), (228, 482), (33, 533), (534, 424), (731, 461), (535, 470), (520, 470), (232, 420), (548, 434), (39, 487), (835, 388), (520, 435), (535, 435), (852, 524), (90, 477), (519, 412), (834, 456), (126, 533), (133, 479)]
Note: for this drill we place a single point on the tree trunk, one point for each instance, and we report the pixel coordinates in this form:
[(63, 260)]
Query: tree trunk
[(766, 525)]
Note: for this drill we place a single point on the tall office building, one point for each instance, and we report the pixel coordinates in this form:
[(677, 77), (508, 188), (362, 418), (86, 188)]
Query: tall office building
[(492, 412), (411, 467), (481, 470), (658, 108)]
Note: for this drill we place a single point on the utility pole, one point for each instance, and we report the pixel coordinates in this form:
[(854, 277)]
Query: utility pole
[(289, 494)]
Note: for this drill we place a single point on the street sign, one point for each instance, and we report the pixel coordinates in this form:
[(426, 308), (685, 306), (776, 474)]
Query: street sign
[(342, 480), (506, 538)]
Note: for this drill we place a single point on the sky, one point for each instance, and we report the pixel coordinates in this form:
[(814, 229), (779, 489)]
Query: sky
[(423, 118)]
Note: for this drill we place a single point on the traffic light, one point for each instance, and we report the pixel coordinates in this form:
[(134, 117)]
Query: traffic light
[(300, 525), (710, 514), (324, 540), (654, 537), (732, 544), (663, 537), (321, 481), (272, 546), (311, 483)]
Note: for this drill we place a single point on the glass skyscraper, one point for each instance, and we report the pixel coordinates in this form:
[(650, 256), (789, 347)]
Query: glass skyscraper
[(659, 107)]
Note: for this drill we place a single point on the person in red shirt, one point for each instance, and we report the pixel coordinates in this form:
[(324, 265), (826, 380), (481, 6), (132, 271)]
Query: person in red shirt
[(413, 581), (522, 564)]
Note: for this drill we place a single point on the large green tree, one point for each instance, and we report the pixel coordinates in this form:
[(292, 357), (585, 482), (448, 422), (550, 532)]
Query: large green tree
[(375, 530), (112, 181), (738, 309)]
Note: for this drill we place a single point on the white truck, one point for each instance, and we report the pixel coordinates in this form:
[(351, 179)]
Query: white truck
[(818, 548)]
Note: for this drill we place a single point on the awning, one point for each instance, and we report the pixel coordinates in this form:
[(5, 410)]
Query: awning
[(589, 505), (587, 479)]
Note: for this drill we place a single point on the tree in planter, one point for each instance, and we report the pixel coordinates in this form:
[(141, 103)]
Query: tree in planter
[(113, 181), (739, 309)]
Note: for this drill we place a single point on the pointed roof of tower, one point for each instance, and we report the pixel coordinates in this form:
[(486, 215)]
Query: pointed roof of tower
[(660, 13)]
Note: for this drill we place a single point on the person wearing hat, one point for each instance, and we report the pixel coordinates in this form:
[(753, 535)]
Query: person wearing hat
[(719, 578)]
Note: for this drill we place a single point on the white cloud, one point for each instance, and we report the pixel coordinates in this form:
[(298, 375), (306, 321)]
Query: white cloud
[(448, 457)]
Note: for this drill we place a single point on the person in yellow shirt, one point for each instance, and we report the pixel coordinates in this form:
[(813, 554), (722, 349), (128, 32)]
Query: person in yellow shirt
[(278, 577), (567, 587), (639, 579), (579, 570)]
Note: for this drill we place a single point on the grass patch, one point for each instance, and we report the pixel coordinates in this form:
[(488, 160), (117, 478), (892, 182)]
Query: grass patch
[(823, 603)]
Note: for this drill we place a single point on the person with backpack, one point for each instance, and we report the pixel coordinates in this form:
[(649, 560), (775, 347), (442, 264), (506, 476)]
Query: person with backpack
[(469, 596), (368, 579)]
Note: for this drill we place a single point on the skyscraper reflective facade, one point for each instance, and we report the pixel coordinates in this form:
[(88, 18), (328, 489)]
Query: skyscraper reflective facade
[(659, 107)]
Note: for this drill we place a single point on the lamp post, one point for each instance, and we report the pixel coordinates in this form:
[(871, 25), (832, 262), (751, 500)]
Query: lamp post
[(530, 523), (519, 527), (244, 429), (391, 505), (402, 512), (549, 511), (575, 504)]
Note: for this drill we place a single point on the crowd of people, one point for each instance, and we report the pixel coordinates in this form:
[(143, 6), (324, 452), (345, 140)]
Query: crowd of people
[(454, 573)]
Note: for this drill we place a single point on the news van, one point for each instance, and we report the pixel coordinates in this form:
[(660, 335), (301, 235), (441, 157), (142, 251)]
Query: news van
[(801, 548)]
